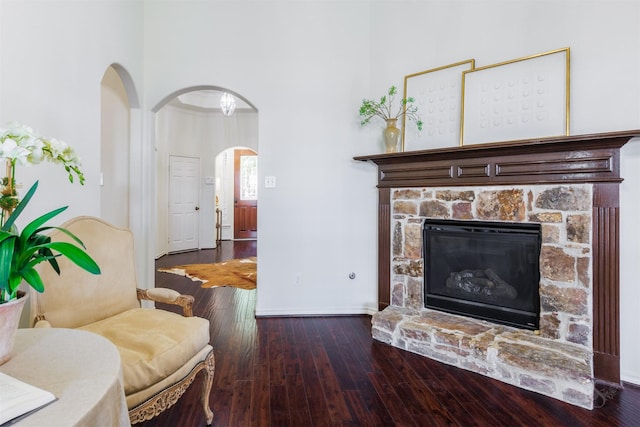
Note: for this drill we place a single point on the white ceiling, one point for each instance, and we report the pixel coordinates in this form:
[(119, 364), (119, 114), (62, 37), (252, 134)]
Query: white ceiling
[(207, 100)]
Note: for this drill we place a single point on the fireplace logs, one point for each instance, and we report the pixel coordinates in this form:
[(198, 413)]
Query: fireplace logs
[(484, 283)]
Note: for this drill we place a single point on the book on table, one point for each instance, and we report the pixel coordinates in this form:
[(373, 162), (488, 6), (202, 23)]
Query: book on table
[(19, 399)]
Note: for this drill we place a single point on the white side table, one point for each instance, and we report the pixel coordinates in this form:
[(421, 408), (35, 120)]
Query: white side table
[(80, 368)]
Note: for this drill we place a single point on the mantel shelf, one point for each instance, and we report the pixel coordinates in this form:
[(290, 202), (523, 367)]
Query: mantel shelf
[(594, 140), (566, 159)]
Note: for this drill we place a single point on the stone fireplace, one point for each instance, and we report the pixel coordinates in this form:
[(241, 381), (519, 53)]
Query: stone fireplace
[(567, 185)]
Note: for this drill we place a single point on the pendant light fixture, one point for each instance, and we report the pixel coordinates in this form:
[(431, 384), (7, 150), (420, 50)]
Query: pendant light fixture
[(227, 104)]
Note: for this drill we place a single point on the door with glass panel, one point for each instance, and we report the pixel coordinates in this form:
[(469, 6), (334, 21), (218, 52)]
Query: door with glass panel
[(245, 200)]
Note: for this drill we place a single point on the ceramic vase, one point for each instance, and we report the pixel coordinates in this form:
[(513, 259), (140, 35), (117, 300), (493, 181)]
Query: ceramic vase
[(10, 313), (391, 136)]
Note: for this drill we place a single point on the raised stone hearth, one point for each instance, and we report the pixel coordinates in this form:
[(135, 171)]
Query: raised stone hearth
[(514, 356), (570, 186)]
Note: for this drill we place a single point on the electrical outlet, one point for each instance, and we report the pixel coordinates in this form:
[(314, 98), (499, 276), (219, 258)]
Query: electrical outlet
[(297, 281)]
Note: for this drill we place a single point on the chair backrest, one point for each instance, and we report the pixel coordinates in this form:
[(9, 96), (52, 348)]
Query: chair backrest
[(75, 297)]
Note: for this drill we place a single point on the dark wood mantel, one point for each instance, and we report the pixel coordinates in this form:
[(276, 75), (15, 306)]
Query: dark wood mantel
[(592, 158), (577, 158)]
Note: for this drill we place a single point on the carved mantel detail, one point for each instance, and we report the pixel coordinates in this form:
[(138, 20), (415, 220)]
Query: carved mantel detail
[(593, 158)]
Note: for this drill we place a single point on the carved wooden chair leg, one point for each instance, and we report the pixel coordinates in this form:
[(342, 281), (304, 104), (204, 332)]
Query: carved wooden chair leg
[(209, 370)]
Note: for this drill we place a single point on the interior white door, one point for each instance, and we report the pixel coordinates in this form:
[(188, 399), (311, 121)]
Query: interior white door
[(183, 203)]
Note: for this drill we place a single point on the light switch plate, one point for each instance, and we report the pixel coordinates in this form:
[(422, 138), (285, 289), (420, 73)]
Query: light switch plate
[(269, 182)]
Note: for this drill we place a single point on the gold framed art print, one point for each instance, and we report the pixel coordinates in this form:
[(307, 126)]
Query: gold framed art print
[(525, 98), (437, 93)]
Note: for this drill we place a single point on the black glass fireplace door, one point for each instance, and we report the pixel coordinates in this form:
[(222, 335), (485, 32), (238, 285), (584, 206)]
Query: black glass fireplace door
[(486, 270)]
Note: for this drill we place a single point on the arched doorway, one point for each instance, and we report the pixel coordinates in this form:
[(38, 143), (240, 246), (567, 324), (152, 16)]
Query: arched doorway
[(190, 124), (123, 162)]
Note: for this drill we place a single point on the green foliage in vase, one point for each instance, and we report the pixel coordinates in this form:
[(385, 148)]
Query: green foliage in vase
[(385, 109), (20, 252)]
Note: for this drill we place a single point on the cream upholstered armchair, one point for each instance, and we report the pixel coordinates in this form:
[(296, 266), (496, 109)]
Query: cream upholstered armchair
[(161, 351)]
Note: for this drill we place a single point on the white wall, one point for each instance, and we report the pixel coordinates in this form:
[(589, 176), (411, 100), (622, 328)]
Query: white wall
[(51, 75), (51, 80), (305, 67)]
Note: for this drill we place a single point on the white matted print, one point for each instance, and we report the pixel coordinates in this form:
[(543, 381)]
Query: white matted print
[(525, 98), (437, 93)]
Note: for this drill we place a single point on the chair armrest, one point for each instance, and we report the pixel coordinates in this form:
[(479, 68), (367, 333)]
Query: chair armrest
[(42, 324), (168, 296)]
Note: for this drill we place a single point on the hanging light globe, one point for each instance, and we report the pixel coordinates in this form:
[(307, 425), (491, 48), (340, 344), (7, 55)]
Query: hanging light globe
[(227, 104)]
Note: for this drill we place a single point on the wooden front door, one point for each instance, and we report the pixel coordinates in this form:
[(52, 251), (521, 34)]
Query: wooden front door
[(245, 197)]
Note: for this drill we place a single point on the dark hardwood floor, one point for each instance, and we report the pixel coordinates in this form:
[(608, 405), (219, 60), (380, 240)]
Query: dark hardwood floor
[(327, 371)]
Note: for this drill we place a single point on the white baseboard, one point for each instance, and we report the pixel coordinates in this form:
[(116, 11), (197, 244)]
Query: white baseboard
[(348, 311), (629, 377)]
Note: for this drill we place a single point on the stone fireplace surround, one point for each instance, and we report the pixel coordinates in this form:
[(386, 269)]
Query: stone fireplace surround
[(570, 186)]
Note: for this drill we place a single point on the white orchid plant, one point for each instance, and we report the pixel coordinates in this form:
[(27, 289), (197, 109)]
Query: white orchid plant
[(20, 145), (20, 252)]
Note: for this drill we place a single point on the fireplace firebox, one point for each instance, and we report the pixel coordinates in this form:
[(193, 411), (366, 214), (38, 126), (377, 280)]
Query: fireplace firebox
[(486, 270)]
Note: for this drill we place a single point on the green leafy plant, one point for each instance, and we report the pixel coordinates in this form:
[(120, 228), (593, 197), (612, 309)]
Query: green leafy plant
[(20, 252), (385, 110)]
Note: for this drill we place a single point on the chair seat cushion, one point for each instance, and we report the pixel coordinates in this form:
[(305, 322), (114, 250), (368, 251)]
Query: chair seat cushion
[(152, 343)]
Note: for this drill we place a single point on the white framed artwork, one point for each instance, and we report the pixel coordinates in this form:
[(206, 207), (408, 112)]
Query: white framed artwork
[(437, 93), (525, 98)]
